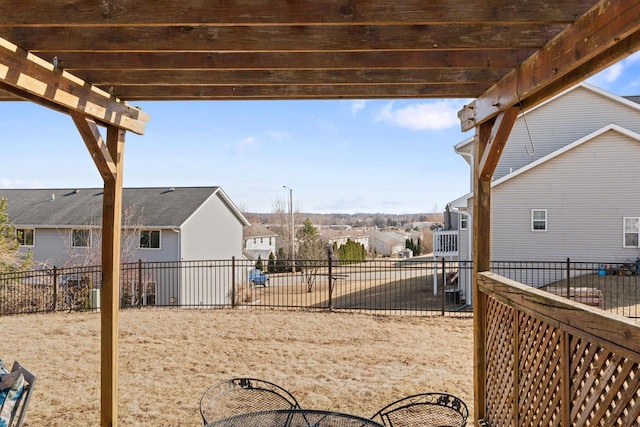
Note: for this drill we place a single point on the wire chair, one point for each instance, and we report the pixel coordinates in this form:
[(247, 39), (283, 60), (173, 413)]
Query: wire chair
[(425, 410), (242, 395)]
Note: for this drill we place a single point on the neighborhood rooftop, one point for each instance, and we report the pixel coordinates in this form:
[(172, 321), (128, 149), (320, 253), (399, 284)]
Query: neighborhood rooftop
[(159, 206)]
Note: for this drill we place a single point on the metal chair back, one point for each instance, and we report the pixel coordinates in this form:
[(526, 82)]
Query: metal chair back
[(425, 410), (20, 409), (242, 395)]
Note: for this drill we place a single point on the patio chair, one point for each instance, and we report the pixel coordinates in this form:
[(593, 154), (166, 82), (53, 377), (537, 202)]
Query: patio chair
[(425, 410), (241, 395), (16, 409)]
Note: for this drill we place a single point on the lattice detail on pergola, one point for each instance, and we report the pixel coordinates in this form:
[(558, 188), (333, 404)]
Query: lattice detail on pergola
[(500, 363), (602, 386)]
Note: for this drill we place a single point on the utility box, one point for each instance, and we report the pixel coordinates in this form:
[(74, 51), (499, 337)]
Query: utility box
[(94, 299)]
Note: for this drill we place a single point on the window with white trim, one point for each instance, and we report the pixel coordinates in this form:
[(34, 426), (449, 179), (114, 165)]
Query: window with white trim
[(150, 239), (25, 236), (631, 232), (81, 238), (538, 220), (464, 221)]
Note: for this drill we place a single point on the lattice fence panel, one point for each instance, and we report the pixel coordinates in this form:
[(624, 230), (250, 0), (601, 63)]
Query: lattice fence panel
[(539, 392), (500, 363), (605, 386)]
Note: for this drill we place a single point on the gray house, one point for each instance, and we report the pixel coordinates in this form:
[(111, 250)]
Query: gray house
[(565, 185), (62, 227)]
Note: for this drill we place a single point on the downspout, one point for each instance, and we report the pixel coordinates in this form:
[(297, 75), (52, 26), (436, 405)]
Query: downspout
[(471, 159)]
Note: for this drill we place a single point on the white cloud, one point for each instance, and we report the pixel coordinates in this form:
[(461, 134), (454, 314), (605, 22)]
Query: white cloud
[(246, 144), (276, 134), (357, 106), (436, 115)]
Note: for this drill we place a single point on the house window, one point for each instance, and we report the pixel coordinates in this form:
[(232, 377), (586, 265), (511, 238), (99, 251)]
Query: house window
[(538, 220), (270, 241), (81, 238), (631, 232), (150, 239), (464, 220), (25, 236)]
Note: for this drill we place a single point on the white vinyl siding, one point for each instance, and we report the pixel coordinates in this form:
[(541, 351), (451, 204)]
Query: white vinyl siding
[(631, 232), (560, 122), (584, 189), (538, 220)]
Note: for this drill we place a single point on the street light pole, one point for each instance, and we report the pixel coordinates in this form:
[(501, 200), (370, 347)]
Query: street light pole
[(292, 228)]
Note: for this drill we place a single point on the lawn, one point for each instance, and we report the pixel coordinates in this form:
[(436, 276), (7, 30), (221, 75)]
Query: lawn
[(168, 357)]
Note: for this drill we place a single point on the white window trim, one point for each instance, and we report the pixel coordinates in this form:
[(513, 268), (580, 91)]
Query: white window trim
[(159, 240), (88, 230), (624, 231), (464, 219), (546, 220), (34, 237)]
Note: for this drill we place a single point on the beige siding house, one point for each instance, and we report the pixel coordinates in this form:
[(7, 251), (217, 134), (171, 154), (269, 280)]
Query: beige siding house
[(566, 184)]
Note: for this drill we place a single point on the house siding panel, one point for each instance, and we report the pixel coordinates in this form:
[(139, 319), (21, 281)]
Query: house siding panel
[(562, 121), (212, 232), (585, 200)]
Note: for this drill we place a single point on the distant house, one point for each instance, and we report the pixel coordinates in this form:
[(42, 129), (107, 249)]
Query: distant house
[(566, 184), (341, 236), (172, 224), (388, 242), (259, 241), (62, 226)]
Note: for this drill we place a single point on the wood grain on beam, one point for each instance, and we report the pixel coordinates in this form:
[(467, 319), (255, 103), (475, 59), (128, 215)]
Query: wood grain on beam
[(407, 59), (591, 37), (152, 12), (500, 131), (329, 91), (282, 38), (110, 297), (28, 74), (292, 77), (95, 144)]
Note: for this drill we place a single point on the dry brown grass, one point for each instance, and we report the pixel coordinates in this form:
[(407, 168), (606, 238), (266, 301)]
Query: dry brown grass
[(347, 362)]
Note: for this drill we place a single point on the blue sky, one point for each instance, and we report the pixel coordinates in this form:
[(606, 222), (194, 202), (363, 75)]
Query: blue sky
[(337, 156)]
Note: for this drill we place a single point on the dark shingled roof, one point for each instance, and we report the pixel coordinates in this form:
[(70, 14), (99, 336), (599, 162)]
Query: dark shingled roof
[(635, 98), (160, 207)]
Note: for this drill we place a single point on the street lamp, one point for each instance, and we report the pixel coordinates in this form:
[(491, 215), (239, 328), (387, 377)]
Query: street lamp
[(292, 228)]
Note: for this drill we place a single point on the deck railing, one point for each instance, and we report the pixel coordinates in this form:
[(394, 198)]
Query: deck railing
[(445, 243), (551, 361)]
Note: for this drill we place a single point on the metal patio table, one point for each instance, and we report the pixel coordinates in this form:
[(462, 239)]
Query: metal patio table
[(295, 418)]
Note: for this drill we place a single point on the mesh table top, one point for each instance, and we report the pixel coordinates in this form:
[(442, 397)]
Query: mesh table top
[(295, 418)]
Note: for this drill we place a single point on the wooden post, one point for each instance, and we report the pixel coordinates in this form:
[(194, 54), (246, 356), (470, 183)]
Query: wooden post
[(481, 262), (110, 302)]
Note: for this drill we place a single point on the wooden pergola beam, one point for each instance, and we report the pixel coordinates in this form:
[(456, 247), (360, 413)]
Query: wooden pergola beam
[(496, 140), (583, 49), (96, 146), (31, 78), (109, 161)]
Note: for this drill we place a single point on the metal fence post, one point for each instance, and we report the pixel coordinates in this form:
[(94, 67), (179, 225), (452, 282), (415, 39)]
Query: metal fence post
[(444, 283), (568, 278), (140, 294), (233, 281), (330, 274), (55, 288)]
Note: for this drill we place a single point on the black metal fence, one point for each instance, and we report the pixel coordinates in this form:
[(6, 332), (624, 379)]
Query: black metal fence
[(408, 287)]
